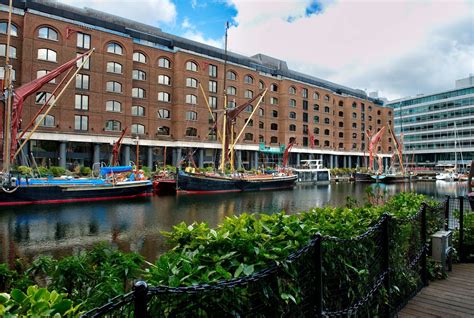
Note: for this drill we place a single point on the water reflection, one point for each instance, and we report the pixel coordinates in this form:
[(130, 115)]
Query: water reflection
[(136, 225)]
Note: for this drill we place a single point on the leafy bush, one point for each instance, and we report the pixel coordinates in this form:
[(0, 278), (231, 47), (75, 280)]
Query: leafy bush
[(24, 170), (57, 171), (44, 171), (85, 171)]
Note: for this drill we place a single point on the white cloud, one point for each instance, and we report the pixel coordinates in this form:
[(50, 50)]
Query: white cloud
[(152, 12), (197, 36), (186, 24), (396, 47)]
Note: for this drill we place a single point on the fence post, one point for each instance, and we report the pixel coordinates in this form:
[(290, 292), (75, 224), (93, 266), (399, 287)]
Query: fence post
[(319, 276), (446, 214), (140, 290), (386, 260), (462, 255), (424, 269)]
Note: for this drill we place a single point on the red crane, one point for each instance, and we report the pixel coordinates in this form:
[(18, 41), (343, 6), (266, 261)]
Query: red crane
[(116, 149), (287, 152)]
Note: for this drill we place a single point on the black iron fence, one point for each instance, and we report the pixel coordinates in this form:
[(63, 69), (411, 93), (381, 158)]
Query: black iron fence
[(459, 216), (374, 274)]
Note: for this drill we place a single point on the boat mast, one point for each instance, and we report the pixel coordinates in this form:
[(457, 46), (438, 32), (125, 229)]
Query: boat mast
[(224, 135), (8, 91)]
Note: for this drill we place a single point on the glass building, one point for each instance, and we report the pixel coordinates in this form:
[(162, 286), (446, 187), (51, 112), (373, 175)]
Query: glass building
[(438, 129)]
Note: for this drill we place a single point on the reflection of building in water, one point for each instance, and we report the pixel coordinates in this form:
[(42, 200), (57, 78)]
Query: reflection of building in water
[(451, 188)]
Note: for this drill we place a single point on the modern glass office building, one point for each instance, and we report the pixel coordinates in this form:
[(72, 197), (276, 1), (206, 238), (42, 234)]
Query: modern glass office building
[(438, 129)]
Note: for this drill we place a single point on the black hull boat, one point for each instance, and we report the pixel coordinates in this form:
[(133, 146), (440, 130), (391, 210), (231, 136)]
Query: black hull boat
[(203, 183), (52, 194), (363, 177)]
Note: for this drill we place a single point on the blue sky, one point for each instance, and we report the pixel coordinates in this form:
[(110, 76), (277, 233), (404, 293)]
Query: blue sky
[(396, 47)]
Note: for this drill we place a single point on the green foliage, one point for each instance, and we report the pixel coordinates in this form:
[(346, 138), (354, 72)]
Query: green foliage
[(44, 171), (24, 170), (342, 172), (57, 171), (85, 171)]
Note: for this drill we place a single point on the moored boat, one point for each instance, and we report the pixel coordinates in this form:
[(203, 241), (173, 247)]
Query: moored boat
[(312, 171)]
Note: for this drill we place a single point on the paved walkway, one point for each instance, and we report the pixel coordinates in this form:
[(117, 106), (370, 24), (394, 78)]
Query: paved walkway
[(451, 297)]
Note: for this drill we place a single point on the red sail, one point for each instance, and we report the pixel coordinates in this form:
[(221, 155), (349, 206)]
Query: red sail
[(374, 140), (22, 92)]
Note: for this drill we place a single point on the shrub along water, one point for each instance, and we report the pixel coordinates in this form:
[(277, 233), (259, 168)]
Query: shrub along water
[(240, 246)]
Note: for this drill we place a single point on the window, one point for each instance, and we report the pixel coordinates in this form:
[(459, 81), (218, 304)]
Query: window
[(327, 132), (316, 95), (82, 81), (164, 97), (341, 145), (305, 129), (316, 119), (305, 105), (164, 62), (114, 48), (379, 121), (191, 66), (370, 108), (86, 65), (274, 88), (42, 73), (138, 92), (164, 114), (114, 87), (191, 116), (341, 103), (42, 97), (138, 75), (48, 121), (341, 135), (275, 114), (83, 40), (261, 112), (274, 126), (248, 137), (354, 135), (249, 122), (273, 140), (249, 109), (231, 90), (316, 131), (113, 106), (47, 33), (316, 142), (164, 80), (261, 84), (304, 93), (163, 131), (341, 114), (13, 74), (139, 57), (191, 99), (138, 111), (261, 125), (354, 125), (231, 104), (341, 124), (379, 113), (327, 121), (292, 103), (213, 86), (212, 118), (326, 109), (326, 98), (305, 117), (81, 122), (248, 79), (316, 107), (113, 125), (44, 54), (138, 129), (292, 127), (274, 101), (231, 75), (191, 132), (370, 118), (326, 143), (292, 115), (213, 101), (81, 102), (4, 28), (292, 90), (114, 67), (354, 115), (248, 94), (354, 105), (212, 70)]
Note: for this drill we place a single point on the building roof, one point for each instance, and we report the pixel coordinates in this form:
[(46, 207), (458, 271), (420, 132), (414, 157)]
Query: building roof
[(134, 29)]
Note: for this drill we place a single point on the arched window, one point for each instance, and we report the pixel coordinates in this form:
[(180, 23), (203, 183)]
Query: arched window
[(273, 126), (341, 114), (4, 28), (191, 132), (163, 131), (164, 62), (316, 95), (389, 113), (138, 75), (191, 116), (370, 118), (248, 79), (316, 107), (261, 112), (304, 93), (292, 90), (249, 122), (45, 55), (261, 84), (47, 121), (354, 125), (42, 97), (273, 139), (292, 103), (326, 143), (248, 137), (212, 135), (191, 99), (248, 93), (379, 121), (327, 121), (164, 97), (341, 103), (249, 109), (292, 127), (341, 135), (164, 80), (354, 115), (231, 75), (354, 135), (316, 131), (114, 48), (370, 108), (164, 114), (261, 125), (114, 87), (316, 142), (261, 138), (292, 115), (341, 124), (191, 82), (114, 67), (274, 101), (138, 111), (113, 106), (139, 57), (138, 92), (47, 33), (231, 90), (379, 113), (316, 119), (327, 132), (274, 114), (326, 109), (42, 73), (274, 87), (341, 145), (138, 129), (354, 105), (113, 125), (326, 98), (191, 66)]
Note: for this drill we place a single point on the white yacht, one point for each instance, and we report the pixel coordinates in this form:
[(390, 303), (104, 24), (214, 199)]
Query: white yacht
[(312, 171)]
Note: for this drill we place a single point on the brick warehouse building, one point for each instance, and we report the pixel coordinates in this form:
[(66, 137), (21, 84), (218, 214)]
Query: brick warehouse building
[(146, 80)]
